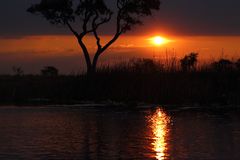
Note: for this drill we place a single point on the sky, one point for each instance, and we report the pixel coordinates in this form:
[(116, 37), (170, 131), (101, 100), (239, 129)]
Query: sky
[(178, 17), (209, 27)]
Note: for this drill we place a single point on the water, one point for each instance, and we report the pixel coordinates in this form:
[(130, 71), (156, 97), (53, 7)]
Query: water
[(90, 133)]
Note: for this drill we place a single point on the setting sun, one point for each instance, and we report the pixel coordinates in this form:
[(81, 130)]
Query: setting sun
[(158, 40)]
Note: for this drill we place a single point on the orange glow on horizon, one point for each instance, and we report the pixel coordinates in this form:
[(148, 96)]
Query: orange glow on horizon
[(208, 47)]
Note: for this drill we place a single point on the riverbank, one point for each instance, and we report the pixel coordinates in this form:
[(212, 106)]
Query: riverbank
[(177, 88)]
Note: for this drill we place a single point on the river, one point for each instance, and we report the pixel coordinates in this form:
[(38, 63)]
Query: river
[(93, 133)]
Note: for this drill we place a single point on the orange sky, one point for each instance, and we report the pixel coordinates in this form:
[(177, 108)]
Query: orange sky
[(44, 50), (47, 45)]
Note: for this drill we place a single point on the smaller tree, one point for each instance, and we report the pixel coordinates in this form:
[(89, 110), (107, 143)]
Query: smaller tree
[(145, 65), (237, 64), (223, 65), (18, 71), (189, 62), (49, 71)]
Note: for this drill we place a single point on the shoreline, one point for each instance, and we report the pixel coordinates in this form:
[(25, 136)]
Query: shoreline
[(124, 106)]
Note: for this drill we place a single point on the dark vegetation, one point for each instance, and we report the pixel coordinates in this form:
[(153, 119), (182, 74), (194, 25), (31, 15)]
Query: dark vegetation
[(49, 71), (139, 80)]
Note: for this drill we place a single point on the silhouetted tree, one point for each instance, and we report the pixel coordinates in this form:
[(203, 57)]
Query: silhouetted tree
[(146, 65), (223, 65), (238, 64), (189, 62), (18, 71), (49, 71), (93, 14)]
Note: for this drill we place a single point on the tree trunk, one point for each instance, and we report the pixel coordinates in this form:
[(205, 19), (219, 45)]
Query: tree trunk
[(86, 55), (91, 70), (91, 67)]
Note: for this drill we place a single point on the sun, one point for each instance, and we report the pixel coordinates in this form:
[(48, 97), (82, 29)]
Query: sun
[(158, 40)]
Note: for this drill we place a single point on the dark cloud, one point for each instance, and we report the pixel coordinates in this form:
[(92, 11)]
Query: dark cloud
[(201, 17), (188, 17)]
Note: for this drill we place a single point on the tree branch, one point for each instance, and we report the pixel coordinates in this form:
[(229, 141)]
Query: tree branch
[(117, 34), (86, 19), (82, 45), (94, 26), (71, 29), (79, 36), (85, 52), (115, 37)]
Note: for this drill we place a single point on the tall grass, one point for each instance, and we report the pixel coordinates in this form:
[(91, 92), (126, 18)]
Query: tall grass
[(138, 80), (172, 65)]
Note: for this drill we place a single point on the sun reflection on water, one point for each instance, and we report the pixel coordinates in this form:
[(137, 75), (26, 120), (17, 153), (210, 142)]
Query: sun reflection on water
[(159, 125)]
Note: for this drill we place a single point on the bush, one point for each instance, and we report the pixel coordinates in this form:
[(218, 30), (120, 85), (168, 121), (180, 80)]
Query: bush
[(188, 63), (223, 65), (238, 64), (49, 71)]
